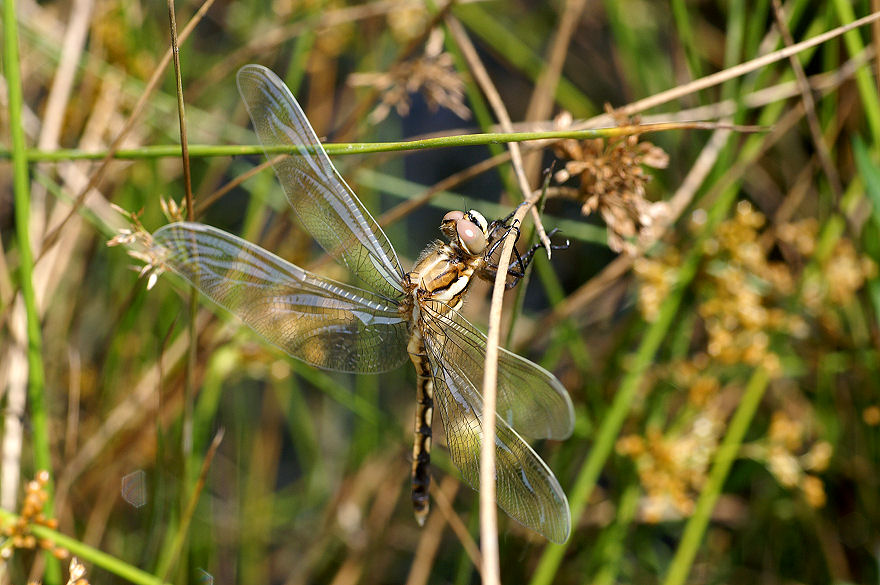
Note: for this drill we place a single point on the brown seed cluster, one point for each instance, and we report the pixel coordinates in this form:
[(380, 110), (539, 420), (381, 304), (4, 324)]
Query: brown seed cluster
[(612, 181), (432, 74), (18, 535)]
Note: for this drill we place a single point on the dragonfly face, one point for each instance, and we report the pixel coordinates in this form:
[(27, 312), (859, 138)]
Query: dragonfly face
[(387, 317)]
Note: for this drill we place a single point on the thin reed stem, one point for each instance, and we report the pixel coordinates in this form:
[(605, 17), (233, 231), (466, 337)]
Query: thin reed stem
[(36, 374), (186, 435), (724, 458), (337, 149), (189, 510), (488, 511)]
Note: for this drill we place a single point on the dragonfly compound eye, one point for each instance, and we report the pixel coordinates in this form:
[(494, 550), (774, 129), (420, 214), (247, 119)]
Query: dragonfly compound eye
[(471, 237), (453, 216), (479, 219), (447, 225)]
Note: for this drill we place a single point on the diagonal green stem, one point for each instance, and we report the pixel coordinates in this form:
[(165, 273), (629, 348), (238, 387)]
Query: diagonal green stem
[(623, 400), (724, 458), (613, 421), (864, 79), (87, 553)]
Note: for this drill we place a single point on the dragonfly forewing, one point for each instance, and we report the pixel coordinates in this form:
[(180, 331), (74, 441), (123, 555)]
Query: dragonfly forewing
[(325, 323), (323, 201)]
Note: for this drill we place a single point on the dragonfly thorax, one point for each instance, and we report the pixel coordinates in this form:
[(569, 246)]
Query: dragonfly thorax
[(444, 272)]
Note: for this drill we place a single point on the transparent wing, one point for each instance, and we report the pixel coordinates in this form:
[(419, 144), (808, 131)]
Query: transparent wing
[(324, 203), (526, 489), (322, 322), (530, 399)]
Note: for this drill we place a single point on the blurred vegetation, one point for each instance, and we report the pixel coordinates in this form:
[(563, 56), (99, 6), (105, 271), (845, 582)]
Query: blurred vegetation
[(715, 318)]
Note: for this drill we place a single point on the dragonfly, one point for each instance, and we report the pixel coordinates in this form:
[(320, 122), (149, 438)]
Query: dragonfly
[(388, 317)]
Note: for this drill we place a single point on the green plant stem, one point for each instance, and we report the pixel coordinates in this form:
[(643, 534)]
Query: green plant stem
[(510, 47), (864, 78), (615, 542), (36, 375), (623, 400), (335, 149), (724, 458), (86, 553)]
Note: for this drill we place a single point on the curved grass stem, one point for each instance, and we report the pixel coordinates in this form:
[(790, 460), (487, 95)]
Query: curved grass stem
[(695, 528)]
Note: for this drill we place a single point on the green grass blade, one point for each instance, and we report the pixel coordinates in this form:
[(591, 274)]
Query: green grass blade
[(36, 374), (864, 78), (724, 458), (39, 419)]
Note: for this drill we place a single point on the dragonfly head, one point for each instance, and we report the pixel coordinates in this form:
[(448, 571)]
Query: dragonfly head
[(468, 230)]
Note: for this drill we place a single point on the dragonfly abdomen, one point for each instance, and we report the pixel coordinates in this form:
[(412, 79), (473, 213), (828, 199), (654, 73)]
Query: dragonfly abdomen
[(421, 475)]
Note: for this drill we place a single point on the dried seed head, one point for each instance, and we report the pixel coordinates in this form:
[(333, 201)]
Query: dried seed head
[(432, 74), (612, 182), (77, 573)]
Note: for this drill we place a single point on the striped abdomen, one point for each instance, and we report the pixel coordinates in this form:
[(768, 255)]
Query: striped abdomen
[(442, 274), (421, 475)]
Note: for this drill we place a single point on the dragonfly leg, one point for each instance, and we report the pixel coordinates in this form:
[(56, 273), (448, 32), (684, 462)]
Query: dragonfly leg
[(527, 257), (421, 474), (518, 264)]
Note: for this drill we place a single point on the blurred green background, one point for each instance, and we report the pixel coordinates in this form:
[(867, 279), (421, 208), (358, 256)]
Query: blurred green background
[(714, 319)]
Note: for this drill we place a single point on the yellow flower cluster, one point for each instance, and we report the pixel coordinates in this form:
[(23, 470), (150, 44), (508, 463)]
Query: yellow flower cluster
[(759, 290), (672, 468), (785, 453), (17, 535)]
